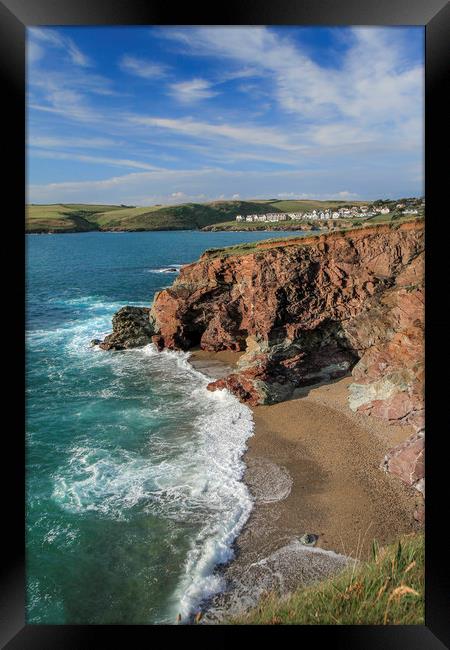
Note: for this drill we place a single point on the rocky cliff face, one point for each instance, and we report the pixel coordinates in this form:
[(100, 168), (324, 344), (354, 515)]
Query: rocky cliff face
[(312, 309), (307, 310)]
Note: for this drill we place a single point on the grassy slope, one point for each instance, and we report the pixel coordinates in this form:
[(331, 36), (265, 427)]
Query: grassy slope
[(62, 217), (41, 218), (306, 206), (387, 590), (79, 217), (177, 217), (250, 247)]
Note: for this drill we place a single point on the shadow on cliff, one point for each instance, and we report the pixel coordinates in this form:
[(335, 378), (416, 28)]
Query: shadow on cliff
[(303, 391)]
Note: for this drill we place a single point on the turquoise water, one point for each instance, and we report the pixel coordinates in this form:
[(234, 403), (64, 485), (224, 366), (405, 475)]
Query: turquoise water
[(134, 491)]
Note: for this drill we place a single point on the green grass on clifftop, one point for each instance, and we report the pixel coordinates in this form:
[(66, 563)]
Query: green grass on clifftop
[(251, 247), (388, 590)]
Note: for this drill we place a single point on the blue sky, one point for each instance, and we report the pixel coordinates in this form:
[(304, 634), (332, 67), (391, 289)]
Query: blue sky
[(145, 115)]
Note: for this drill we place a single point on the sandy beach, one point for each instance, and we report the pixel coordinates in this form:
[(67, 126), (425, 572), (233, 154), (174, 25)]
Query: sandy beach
[(313, 466)]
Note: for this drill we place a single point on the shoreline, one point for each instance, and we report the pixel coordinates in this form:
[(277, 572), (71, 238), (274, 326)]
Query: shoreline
[(312, 466)]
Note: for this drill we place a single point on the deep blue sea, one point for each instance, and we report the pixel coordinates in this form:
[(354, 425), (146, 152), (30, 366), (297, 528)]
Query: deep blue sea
[(134, 491)]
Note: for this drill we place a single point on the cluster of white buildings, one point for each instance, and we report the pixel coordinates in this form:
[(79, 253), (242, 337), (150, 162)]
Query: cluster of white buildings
[(354, 211), (271, 216), (409, 209)]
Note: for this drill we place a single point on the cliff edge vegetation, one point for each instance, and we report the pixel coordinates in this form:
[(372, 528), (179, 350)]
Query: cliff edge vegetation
[(388, 590)]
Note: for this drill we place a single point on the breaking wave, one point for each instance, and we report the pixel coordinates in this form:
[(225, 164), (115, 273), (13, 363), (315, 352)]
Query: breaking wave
[(189, 471)]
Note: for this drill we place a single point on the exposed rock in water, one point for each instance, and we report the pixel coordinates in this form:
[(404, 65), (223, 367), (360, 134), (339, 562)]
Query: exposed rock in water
[(132, 328)]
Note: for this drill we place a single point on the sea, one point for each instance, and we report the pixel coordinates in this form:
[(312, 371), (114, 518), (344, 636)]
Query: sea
[(134, 491)]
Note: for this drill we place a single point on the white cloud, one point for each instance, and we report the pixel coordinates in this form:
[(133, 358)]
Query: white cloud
[(192, 91), (169, 186), (255, 135), (345, 194), (142, 67), (371, 91), (34, 52), (58, 40), (104, 160), (50, 142), (355, 123), (66, 94), (67, 103)]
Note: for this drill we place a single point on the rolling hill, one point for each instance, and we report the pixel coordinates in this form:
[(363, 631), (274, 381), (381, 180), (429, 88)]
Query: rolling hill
[(188, 216)]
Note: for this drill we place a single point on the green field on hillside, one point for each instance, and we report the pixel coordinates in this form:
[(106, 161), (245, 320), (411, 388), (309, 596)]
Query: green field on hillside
[(71, 217), (83, 217), (61, 218), (307, 206), (388, 590)]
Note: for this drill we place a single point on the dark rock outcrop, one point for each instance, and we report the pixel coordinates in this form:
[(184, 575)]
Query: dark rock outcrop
[(132, 328)]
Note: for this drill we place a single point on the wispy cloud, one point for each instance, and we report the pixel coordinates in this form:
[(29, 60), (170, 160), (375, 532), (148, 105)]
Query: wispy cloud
[(192, 91), (58, 40), (373, 89), (69, 93), (103, 160), (252, 111), (34, 52), (244, 134), (142, 67), (173, 186), (51, 142)]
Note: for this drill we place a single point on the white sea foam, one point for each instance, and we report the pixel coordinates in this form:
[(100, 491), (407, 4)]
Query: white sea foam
[(192, 476), (171, 268), (268, 481)]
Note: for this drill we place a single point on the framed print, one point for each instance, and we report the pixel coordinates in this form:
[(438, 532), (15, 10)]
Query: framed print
[(226, 322)]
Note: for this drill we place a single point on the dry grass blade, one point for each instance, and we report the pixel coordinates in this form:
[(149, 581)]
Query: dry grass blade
[(410, 566), (402, 590)]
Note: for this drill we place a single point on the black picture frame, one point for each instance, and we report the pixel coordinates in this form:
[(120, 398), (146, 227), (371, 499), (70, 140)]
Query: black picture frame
[(15, 16)]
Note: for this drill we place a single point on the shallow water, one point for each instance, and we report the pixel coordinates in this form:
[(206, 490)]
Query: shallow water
[(134, 490)]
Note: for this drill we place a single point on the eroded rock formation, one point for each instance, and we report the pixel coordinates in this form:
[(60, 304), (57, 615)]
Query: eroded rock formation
[(309, 309), (312, 309)]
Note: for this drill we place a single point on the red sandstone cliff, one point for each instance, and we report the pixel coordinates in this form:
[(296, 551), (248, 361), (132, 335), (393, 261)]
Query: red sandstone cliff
[(306, 310), (311, 309)]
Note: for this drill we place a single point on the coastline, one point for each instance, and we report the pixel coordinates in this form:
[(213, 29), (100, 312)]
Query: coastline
[(312, 466)]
